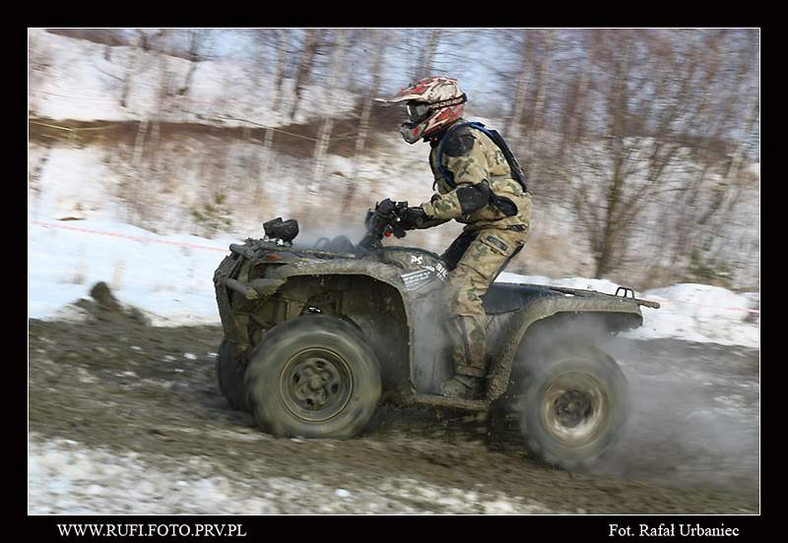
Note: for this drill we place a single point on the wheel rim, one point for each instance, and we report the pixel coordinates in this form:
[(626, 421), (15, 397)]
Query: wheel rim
[(575, 408), (316, 384)]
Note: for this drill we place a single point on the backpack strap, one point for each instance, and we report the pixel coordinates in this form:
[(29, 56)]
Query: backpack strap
[(445, 172)]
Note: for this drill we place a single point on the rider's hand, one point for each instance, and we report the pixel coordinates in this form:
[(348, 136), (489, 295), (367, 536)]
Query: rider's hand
[(385, 206), (397, 230), (412, 217)]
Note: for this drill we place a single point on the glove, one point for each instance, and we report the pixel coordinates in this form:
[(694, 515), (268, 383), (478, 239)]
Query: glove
[(397, 230), (385, 207), (411, 218)]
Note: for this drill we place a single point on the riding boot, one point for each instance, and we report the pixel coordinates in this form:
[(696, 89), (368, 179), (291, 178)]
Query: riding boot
[(463, 386)]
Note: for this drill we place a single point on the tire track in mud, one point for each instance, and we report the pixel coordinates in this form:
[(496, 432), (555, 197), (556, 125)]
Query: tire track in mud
[(114, 384)]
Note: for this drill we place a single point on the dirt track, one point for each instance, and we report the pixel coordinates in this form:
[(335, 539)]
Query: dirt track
[(135, 414)]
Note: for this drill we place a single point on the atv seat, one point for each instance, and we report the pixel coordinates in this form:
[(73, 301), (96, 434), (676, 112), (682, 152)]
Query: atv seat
[(508, 297)]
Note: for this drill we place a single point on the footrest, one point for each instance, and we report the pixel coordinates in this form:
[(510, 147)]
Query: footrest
[(433, 400)]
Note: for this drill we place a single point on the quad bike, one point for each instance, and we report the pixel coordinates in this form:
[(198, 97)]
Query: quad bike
[(315, 338)]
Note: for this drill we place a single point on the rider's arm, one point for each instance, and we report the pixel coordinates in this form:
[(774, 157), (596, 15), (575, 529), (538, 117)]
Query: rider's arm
[(429, 223), (414, 218), (463, 200), (465, 158)]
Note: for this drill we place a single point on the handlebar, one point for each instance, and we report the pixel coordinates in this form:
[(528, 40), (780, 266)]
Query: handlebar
[(382, 222)]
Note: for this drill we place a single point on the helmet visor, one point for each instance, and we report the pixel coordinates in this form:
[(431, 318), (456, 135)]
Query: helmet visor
[(417, 111)]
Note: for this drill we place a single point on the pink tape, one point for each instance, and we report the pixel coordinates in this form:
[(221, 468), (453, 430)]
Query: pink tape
[(140, 239)]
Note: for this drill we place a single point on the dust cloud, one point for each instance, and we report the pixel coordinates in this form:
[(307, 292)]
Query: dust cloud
[(693, 409), (694, 415)]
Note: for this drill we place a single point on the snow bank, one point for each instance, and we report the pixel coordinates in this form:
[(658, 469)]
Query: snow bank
[(170, 278), (77, 184), (87, 81), (703, 313), (689, 312)]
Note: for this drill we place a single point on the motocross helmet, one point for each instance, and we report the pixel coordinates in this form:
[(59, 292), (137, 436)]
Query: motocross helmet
[(432, 104)]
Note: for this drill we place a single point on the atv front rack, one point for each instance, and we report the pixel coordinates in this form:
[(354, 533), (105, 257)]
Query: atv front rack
[(252, 252)]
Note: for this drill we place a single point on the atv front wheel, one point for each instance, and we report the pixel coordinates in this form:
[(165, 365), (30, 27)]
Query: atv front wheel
[(576, 405), (313, 377)]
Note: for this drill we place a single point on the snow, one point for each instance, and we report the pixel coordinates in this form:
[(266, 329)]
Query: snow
[(690, 312), (70, 478), (85, 85), (170, 278), (704, 313), (72, 196)]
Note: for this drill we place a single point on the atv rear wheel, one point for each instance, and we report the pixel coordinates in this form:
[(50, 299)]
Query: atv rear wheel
[(230, 375), (313, 377), (576, 405)]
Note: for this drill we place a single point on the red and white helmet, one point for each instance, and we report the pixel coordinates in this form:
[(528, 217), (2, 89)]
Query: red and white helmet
[(432, 104)]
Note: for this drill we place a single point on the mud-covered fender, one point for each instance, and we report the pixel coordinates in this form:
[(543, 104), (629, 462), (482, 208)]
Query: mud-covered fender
[(388, 283), (511, 331)]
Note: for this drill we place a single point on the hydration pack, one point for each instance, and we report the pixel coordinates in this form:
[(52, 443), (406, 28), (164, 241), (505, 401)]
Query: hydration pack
[(517, 170)]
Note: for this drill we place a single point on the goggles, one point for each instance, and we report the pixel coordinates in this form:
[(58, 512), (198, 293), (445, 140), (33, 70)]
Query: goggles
[(417, 111)]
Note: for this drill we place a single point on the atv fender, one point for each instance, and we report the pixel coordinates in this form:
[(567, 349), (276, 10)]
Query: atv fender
[(371, 297), (569, 314)]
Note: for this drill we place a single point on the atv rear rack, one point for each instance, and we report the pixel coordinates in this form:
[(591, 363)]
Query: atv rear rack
[(628, 293)]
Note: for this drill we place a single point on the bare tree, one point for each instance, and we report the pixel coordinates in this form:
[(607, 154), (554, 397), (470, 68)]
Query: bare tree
[(573, 110), (697, 228), (279, 70), (198, 44), (514, 128), (426, 59), (267, 63), (131, 62), (652, 95), (541, 80), (529, 102), (379, 48), (324, 136), (164, 94), (271, 61), (40, 62), (308, 54)]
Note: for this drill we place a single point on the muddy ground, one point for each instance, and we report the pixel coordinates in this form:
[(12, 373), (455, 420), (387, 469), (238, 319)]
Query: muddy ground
[(127, 418)]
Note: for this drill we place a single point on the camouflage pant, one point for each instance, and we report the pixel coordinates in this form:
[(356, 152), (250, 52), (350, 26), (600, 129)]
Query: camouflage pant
[(487, 253)]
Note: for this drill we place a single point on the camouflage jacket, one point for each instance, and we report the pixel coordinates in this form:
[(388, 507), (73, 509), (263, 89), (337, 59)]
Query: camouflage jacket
[(482, 178)]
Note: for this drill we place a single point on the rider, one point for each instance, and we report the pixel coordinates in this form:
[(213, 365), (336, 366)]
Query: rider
[(476, 186)]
